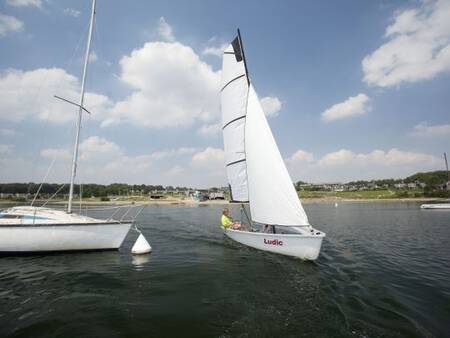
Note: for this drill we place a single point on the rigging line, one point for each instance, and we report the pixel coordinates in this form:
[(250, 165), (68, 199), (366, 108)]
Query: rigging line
[(246, 215), (43, 181), (43, 84), (57, 191), (81, 195)]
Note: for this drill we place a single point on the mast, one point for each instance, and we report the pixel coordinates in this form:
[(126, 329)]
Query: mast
[(243, 56), (80, 111), (248, 83)]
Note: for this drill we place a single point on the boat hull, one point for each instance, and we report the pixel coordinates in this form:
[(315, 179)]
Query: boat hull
[(304, 246), (62, 237), (436, 206)]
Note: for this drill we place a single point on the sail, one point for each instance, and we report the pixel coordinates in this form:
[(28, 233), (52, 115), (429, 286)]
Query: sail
[(234, 92), (273, 198)]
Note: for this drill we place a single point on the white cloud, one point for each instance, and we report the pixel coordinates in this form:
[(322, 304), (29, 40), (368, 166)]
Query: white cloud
[(97, 148), (339, 157), (301, 156), (6, 148), (353, 106), (7, 132), (72, 12), (25, 3), (418, 47), (165, 31), (175, 171), (103, 161), (210, 158), (376, 157), (161, 154), (207, 168), (56, 153), (100, 160), (30, 95), (92, 148), (345, 165), (271, 106), (9, 24), (424, 130), (210, 130), (215, 50), (172, 87)]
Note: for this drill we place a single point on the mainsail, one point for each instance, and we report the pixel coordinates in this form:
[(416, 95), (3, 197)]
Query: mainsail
[(234, 95), (255, 167)]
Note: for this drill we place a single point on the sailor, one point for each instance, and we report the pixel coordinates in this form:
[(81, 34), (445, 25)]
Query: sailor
[(268, 228), (228, 222)]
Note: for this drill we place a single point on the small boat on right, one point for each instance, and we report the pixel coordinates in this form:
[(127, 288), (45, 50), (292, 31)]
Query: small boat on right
[(256, 171), (440, 205), (435, 206)]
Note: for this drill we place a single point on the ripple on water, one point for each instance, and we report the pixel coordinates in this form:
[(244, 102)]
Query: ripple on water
[(383, 272)]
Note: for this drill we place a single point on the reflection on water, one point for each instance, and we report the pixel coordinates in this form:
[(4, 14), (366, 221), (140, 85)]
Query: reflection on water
[(140, 260), (383, 272)]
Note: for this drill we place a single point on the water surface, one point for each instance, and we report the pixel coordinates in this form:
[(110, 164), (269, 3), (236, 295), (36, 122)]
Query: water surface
[(383, 272)]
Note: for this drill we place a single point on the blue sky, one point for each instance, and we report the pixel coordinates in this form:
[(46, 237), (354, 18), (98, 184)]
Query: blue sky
[(352, 89)]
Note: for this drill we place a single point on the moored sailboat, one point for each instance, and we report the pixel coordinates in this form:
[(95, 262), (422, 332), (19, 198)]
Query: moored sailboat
[(39, 229), (256, 171)]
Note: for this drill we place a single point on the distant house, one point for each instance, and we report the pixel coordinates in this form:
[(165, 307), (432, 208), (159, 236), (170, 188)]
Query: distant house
[(400, 185), (411, 185), (421, 184)]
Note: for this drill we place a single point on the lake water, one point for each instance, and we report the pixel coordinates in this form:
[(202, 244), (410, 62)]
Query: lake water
[(384, 271)]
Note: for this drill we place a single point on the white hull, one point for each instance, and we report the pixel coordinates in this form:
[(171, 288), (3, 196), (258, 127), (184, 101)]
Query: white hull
[(436, 206), (304, 246), (45, 238)]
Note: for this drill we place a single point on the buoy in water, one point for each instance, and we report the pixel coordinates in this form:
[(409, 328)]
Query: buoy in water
[(141, 246)]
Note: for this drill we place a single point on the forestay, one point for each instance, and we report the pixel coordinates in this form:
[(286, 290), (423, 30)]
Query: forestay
[(234, 95)]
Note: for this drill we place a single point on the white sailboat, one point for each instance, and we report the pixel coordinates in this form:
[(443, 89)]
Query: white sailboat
[(256, 171), (440, 205), (38, 229)]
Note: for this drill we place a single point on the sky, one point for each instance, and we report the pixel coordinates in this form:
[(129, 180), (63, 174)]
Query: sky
[(351, 89)]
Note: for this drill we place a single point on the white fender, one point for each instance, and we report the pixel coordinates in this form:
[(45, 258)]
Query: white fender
[(141, 246)]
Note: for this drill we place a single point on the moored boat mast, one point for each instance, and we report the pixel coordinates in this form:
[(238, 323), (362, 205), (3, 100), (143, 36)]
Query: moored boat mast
[(80, 109)]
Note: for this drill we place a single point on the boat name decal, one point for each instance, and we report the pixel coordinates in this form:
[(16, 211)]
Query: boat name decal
[(273, 242)]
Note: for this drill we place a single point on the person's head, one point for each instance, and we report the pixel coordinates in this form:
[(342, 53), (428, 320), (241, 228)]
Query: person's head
[(225, 211)]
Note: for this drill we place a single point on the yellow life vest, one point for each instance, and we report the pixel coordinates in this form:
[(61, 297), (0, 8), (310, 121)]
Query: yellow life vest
[(226, 222)]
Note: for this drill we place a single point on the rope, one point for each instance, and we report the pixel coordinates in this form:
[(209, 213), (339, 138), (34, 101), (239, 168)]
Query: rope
[(57, 191), (43, 181)]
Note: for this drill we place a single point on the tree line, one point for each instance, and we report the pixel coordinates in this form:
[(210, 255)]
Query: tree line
[(88, 190)]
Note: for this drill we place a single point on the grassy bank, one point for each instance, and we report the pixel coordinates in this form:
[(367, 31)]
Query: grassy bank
[(364, 194)]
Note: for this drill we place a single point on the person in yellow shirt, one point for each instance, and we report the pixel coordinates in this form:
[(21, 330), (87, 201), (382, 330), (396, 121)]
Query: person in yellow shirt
[(228, 222)]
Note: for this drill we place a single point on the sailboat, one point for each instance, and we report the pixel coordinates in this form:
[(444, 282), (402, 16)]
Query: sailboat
[(256, 171), (39, 229), (440, 205)]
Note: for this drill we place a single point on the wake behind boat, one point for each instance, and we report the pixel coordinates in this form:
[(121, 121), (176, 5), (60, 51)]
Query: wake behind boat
[(38, 229), (256, 172)]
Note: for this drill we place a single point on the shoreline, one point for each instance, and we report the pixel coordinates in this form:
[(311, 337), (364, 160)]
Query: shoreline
[(176, 201)]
